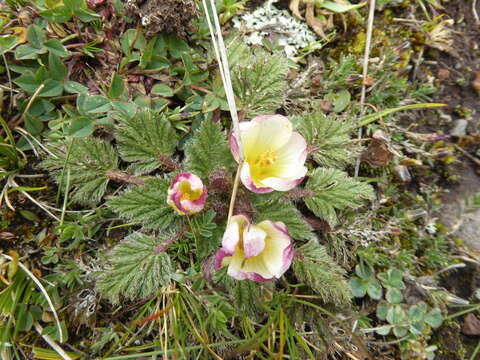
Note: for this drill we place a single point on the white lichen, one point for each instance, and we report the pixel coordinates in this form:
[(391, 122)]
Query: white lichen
[(278, 26)]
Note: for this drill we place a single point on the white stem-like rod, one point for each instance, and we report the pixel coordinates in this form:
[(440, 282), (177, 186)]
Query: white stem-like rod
[(51, 342), (214, 41), (222, 58), (366, 57)]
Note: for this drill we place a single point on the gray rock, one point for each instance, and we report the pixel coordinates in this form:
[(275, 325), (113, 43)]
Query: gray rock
[(459, 127), (469, 230), (461, 221)]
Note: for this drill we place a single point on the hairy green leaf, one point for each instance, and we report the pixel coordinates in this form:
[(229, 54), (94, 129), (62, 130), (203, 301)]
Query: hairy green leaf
[(276, 208), (258, 78), (135, 269), (314, 267), (327, 137), (144, 139), (208, 150), (147, 204), (335, 190), (86, 162)]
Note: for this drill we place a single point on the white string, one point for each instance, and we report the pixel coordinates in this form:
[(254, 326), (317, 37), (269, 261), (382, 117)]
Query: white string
[(214, 41), (222, 59)]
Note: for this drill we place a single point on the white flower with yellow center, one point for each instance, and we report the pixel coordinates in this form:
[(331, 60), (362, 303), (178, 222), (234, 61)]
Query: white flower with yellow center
[(274, 154), (260, 252)]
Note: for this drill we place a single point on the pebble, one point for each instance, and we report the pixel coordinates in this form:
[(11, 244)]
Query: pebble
[(459, 127)]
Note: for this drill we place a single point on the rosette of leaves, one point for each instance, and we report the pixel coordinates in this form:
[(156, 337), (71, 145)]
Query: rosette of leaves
[(132, 171)]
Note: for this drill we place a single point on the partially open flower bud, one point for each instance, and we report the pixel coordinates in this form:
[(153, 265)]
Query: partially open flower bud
[(187, 194)]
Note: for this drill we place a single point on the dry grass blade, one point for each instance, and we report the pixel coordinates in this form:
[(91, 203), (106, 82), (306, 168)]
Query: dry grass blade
[(44, 292)]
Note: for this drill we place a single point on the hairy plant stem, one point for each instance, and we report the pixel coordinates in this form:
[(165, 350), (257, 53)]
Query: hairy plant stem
[(120, 176), (234, 191), (167, 243)]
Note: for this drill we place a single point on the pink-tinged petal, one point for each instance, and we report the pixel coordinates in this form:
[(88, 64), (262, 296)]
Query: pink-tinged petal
[(179, 178), (194, 181), (288, 255), (253, 241), (187, 194), (177, 200), (258, 278), (295, 150), (222, 258), (195, 206), (231, 237), (232, 234), (289, 167), (232, 139), (256, 265), (246, 179), (280, 184), (190, 207), (280, 226), (235, 266)]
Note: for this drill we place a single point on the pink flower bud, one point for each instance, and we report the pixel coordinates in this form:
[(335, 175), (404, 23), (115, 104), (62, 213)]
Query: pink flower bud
[(187, 194)]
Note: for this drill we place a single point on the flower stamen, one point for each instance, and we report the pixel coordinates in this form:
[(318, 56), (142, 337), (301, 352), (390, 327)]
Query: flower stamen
[(266, 159)]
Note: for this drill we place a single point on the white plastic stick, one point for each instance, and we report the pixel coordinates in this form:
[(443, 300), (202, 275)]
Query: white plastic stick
[(222, 59)]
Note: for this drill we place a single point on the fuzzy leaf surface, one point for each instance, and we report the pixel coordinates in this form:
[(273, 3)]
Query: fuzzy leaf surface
[(335, 190), (274, 207), (328, 137), (87, 162), (208, 150), (258, 78), (314, 267), (147, 204), (134, 269), (144, 138)]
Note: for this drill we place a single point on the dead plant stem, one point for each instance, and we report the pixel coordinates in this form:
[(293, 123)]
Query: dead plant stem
[(474, 12), (48, 339)]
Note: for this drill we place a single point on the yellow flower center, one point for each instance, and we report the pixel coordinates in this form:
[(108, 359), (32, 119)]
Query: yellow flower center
[(266, 159), (187, 192)]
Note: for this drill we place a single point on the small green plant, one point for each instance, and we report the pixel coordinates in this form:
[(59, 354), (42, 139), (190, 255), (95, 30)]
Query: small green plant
[(365, 283), (21, 307), (409, 323)]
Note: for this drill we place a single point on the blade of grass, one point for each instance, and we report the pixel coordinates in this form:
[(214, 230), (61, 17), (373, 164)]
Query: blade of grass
[(365, 120), (43, 291), (9, 135)]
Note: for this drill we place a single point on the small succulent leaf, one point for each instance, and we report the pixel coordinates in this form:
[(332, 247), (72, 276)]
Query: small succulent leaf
[(358, 286), (434, 318), (394, 296), (374, 289), (382, 310)]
